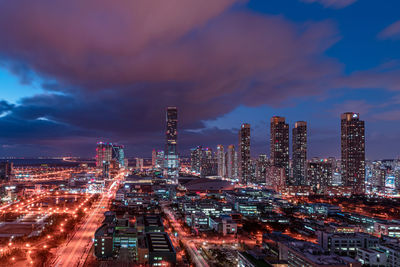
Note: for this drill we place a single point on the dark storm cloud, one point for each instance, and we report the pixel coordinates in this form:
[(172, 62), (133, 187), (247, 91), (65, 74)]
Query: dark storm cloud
[(112, 66), (5, 107)]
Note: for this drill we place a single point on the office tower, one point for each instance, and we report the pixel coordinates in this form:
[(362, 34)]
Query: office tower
[(299, 152), (221, 161), (171, 162), (319, 176), (6, 170), (244, 153), (231, 162), (103, 154), (279, 144), (153, 158), (353, 152), (196, 156), (118, 154)]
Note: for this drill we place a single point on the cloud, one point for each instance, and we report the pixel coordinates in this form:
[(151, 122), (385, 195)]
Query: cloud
[(391, 32), (359, 106), (332, 3), (110, 68), (385, 76)]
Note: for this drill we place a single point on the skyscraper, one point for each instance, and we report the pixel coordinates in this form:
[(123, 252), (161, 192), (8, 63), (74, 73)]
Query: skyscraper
[(353, 152), (171, 155), (196, 156), (209, 164), (231, 162), (299, 151), (279, 143), (103, 154), (244, 153), (118, 154), (221, 161)]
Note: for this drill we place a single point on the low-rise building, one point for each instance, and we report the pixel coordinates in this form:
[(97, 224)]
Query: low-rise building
[(345, 243), (161, 250), (371, 257), (387, 228)]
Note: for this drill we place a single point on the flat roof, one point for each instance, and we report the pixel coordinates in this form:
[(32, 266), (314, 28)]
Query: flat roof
[(159, 242)]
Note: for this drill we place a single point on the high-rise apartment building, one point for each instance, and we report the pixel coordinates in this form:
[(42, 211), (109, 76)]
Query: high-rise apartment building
[(209, 164), (279, 143), (299, 153), (353, 152), (231, 162), (196, 156), (171, 163), (244, 153), (319, 176), (221, 161)]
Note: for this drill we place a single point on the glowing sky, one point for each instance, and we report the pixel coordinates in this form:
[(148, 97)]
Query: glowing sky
[(73, 73)]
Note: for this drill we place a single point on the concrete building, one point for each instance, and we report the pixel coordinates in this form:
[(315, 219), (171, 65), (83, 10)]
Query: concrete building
[(279, 144), (353, 152), (299, 153), (244, 154)]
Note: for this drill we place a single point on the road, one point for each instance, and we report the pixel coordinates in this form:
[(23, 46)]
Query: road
[(197, 258), (75, 252)]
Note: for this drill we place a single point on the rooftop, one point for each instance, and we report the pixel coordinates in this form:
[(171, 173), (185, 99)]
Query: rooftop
[(159, 242)]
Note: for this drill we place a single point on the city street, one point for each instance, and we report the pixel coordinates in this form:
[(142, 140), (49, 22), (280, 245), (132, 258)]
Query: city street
[(75, 252)]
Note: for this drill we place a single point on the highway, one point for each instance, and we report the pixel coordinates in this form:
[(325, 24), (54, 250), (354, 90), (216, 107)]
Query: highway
[(75, 252)]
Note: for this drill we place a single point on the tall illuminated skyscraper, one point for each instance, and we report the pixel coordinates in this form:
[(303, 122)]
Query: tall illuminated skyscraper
[(353, 152), (244, 154), (279, 143), (196, 157), (171, 163), (299, 151), (103, 154), (221, 161)]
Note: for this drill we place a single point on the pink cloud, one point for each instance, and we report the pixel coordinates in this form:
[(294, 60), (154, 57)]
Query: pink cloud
[(391, 32)]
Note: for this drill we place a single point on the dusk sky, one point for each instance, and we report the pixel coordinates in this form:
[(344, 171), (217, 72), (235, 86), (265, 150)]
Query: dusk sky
[(76, 72)]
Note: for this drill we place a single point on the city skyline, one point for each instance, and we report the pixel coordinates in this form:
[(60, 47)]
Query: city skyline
[(200, 133), (61, 105)]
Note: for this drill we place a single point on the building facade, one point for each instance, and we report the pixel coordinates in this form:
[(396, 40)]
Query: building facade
[(171, 163), (244, 153), (353, 152), (279, 143), (221, 161), (299, 153), (231, 162)]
